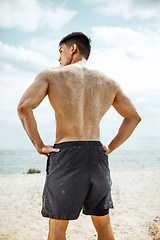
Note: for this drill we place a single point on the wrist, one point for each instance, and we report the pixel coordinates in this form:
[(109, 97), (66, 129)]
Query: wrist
[(39, 147), (109, 150)]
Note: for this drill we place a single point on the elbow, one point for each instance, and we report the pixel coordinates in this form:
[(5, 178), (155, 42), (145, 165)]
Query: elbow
[(22, 110), (137, 119)]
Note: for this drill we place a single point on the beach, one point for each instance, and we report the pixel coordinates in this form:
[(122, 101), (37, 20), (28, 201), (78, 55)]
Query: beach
[(136, 213)]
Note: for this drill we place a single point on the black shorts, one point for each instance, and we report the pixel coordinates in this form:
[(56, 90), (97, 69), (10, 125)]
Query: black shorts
[(78, 177)]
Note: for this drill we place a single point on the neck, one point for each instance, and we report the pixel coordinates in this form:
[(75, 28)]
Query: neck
[(82, 63), (78, 58)]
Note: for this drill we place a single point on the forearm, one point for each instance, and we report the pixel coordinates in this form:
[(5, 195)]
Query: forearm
[(30, 126), (125, 130)]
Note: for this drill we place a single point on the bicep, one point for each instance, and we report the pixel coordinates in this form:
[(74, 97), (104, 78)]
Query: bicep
[(34, 94), (123, 105)]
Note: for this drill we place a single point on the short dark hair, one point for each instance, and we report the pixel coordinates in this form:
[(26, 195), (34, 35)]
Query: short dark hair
[(81, 40)]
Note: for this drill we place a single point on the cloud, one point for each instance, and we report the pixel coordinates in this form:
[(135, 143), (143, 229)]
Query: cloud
[(141, 100), (46, 46), (31, 14), (118, 36), (55, 19), (129, 56), (23, 59), (128, 8)]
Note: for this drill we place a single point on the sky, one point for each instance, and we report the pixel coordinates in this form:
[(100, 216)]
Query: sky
[(125, 46)]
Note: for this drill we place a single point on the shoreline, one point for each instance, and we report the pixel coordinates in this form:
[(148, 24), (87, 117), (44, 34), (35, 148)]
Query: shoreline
[(111, 170), (13, 162), (136, 213)]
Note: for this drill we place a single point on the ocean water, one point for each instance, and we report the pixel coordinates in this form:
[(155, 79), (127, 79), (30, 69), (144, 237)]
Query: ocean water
[(12, 161)]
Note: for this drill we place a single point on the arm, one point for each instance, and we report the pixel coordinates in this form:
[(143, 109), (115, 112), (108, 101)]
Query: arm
[(29, 101), (126, 109)]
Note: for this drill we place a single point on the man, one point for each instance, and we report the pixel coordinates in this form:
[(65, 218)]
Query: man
[(78, 175)]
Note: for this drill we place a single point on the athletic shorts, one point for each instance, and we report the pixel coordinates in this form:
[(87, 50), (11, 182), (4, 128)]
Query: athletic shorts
[(78, 177)]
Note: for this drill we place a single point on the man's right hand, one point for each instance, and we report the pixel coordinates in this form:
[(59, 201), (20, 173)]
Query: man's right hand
[(47, 149), (108, 151)]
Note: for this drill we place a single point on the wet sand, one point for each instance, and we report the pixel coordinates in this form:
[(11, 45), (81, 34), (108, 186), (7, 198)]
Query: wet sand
[(135, 193)]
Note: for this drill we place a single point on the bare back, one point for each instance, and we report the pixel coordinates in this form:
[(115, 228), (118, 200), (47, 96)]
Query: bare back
[(80, 98)]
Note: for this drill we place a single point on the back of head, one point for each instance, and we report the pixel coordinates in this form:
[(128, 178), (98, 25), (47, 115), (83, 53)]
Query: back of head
[(81, 40)]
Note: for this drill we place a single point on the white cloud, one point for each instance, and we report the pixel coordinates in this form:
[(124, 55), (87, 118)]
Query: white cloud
[(21, 58), (31, 14), (18, 68), (130, 57), (46, 46), (25, 15), (55, 19), (118, 37), (141, 100), (13, 82), (128, 8)]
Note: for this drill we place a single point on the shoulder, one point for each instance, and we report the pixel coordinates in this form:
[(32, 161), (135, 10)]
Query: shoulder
[(47, 74), (112, 83), (108, 81)]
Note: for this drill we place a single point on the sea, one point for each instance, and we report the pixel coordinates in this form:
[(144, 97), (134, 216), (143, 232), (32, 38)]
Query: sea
[(20, 161)]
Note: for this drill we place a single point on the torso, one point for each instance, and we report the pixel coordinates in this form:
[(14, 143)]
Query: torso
[(80, 98)]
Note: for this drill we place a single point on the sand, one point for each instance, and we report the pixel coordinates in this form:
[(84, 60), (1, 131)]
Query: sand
[(136, 196)]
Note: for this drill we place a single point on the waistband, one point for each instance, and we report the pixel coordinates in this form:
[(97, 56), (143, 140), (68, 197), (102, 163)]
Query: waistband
[(77, 144)]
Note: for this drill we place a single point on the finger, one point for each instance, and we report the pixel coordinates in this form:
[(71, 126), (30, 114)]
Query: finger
[(104, 146), (56, 149), (45, 154)]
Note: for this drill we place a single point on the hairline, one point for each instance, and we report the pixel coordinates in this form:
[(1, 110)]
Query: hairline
[(65, 43), (81, 45)]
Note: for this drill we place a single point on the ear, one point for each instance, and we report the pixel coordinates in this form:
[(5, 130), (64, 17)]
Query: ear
[(74, 49)]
